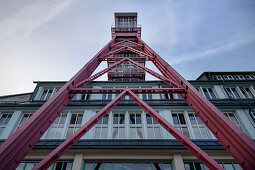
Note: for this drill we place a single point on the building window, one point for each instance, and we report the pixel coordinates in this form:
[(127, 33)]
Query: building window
[(75, 123), (56, 129), (118, 131), (233, 118), (147, 96), (239, 77), (180, 123), (85, 97), (101, 128), (148, 165), (136, 130), (199, 128), (24, 118), (209, 93), (153, 128), (4, 119), (250, 77), (58, 165), (232, 92), (46, 94), (228, 165), (218, 77), (107, 96), (167, 96), (228, 77), (247, 92)]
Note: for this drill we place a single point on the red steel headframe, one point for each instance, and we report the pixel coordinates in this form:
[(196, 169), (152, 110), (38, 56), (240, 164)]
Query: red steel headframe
[(18, 145)]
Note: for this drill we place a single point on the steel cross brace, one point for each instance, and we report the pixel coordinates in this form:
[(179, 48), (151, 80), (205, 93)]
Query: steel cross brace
[(20, 143), (236, 142), (59, 151), (193, 148)]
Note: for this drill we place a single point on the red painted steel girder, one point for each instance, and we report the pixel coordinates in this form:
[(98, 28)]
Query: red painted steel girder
[(60, 150), (193, 148), (118, 90), (153, 73), (20, 143), (236, 142), (95, 76), (120, 58)]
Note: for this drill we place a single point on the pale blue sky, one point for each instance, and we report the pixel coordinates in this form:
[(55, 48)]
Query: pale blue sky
[(44, 40)]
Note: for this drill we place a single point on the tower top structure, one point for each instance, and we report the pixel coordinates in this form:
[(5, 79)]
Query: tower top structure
[(126, 28)]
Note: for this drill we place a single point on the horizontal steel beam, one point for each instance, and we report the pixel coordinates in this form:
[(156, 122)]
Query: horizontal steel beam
[(119, 90)]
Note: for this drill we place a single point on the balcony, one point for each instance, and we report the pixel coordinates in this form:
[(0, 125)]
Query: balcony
[(126, 31)]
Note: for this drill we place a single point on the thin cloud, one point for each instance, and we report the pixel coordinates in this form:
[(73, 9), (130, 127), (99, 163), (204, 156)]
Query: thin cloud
[(31, 17), (218, 48)]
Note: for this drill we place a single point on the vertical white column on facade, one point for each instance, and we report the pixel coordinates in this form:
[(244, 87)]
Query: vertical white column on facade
[(178, 163), (224, 91), (110, 124), (240, 92), (219, 92), (140, 95), (113, 95), (12, 124), (186, 116), (127, 129), (53, 91), (78, 162), (126, 97), (252, 90), (155, 96), (68, 118), (96, 96), (166, 114), (201, 90), (144, 124), (87, 115), (245, 122), (39, 93)]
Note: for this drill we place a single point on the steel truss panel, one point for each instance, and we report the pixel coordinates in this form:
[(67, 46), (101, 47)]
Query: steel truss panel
[(239, 145)]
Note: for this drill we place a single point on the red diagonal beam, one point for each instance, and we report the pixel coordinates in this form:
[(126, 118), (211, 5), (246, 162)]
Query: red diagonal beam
[(139, 52), (236, 142), (193, 148), (115, 51), (60, 150), (93, 77), (20, 143), (164, 79)]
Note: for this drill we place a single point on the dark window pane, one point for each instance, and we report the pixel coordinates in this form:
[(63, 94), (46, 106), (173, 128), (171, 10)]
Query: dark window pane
[(138, 119), (175, 119), (132, 118), (115, 119), (122, 119), (206, 93), (149, 119), (182, 119), (73, 119)]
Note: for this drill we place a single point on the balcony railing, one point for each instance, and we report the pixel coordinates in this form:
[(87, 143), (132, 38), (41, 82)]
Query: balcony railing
[(115, 30)]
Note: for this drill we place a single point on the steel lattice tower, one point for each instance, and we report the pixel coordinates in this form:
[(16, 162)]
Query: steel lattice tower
[(126, 55)]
